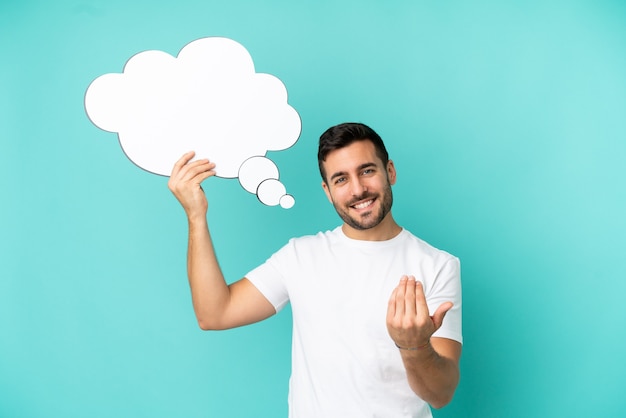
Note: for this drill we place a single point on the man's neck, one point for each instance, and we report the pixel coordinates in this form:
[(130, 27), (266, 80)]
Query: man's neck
[(385, 230)]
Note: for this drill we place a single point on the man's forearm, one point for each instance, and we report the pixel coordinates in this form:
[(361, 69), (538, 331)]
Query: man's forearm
[(432, 377), (209, 290)]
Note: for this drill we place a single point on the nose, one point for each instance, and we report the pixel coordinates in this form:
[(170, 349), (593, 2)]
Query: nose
[(358, 188)]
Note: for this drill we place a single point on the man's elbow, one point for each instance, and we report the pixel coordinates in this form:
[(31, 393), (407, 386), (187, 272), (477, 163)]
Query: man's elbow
[(441, 401), (436, 399), (210, 324), (205, 326), (442, 398)]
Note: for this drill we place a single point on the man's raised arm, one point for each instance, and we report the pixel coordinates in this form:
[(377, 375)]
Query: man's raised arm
[(216, 304)]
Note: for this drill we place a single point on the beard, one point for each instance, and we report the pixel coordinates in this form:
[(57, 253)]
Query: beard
[(369, 219)]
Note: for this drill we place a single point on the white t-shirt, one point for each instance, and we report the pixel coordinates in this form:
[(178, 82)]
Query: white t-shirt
[(344, 364)]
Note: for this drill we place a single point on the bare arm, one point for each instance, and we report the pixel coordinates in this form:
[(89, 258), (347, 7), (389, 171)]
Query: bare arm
[(432, 364), (216, 304)]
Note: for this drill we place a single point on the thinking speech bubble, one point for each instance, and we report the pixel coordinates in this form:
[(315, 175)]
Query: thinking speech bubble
[(208, 99)]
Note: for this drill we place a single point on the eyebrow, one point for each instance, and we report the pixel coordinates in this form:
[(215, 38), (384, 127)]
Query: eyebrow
[(359, 168)]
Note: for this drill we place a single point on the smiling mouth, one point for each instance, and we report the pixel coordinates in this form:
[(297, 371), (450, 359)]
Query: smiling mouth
[(363, 205)]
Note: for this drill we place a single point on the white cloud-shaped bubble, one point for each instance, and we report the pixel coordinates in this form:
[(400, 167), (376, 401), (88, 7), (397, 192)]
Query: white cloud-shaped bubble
[(270, 192), (254, 170), (208, 99)]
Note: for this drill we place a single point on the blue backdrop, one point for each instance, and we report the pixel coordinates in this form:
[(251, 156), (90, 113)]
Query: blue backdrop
[(507, 124)]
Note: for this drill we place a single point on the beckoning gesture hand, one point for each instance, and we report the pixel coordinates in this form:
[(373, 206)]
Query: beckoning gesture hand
[(408, 321)]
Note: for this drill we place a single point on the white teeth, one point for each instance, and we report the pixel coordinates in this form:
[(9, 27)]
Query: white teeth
[(363, 205)]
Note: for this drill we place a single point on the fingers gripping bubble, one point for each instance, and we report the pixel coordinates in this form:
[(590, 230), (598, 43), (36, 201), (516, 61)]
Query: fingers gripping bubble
[(208, 99)]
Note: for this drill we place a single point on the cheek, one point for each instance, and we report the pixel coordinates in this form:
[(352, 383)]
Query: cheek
[(338, 195), (376, 185)]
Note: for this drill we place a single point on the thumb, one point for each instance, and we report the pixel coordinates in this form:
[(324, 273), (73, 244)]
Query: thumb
[(440, 313)]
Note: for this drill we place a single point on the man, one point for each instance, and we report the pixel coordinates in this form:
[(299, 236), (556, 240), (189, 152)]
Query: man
[(368, 298)]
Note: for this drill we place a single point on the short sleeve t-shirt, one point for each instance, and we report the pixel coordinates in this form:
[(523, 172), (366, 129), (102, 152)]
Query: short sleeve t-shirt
[(344, 364)]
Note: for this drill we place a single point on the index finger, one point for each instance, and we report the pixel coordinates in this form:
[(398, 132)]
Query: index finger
[(421, 307), (391, 305), (182, 161)]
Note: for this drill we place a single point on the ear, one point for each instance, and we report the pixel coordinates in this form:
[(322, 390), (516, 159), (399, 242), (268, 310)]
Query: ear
[(391, 172), (327, 191)]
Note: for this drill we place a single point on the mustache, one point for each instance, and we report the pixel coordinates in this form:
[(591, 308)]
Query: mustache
[(364, 196)]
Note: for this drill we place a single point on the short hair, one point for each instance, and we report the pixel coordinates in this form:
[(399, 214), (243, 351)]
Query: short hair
[(344, 134)]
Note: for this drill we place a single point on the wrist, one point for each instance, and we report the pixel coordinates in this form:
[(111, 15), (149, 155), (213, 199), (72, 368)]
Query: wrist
[(414, 348), (197, 219)]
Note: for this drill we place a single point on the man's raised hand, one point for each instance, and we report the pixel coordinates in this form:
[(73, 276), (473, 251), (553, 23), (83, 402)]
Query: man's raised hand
[(408, 321), (185, 183)]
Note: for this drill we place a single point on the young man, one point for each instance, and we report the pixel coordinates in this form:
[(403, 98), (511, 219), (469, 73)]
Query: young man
[(368, 298)]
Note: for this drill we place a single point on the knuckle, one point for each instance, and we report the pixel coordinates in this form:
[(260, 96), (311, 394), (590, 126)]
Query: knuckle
[(408, 323), (396, 323)]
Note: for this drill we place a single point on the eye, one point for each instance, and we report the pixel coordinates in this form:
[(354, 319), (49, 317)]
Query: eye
[(368, 171), (340, 180)]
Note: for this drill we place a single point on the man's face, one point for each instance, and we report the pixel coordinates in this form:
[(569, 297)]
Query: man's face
[(359, 185)]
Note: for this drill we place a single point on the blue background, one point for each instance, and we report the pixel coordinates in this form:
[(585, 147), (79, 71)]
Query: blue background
[(507, 124)]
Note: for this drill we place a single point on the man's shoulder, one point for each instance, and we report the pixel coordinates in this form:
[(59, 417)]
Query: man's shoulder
[(306, 247), (418, 244)]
